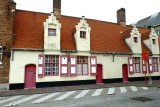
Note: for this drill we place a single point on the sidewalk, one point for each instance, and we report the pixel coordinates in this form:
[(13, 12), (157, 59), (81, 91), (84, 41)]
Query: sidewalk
[(156, 83)]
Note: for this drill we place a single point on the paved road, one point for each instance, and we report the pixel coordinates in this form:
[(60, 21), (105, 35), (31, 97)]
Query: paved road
[(52, 98)]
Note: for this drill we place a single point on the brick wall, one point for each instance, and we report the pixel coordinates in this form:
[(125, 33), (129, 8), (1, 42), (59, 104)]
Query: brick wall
[(6, 29)]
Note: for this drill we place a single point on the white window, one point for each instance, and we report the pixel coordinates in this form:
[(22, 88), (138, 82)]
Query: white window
[(51, 65), (82, 65), (0, 55)]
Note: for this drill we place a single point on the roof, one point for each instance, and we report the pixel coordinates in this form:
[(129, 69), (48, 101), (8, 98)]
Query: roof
[(105, 36), (152, 20)]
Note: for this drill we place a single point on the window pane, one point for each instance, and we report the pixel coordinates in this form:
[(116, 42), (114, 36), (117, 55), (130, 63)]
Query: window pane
[(52, 32), (47, 59), (79, 69), (85, 69)]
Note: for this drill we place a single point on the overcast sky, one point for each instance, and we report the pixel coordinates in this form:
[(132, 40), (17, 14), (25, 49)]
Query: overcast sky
[(96, 9)]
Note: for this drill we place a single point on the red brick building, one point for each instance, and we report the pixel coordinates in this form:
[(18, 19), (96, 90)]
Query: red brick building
[(7, 12)]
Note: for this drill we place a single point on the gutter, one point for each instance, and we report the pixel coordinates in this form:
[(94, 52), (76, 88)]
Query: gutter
[(28, 49), (114, 53), (69, 51)]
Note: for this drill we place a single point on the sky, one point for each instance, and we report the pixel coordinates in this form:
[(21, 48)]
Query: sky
[(104, 10)]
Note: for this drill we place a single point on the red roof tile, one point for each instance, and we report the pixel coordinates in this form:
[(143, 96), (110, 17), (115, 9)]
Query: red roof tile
[(105, 36)]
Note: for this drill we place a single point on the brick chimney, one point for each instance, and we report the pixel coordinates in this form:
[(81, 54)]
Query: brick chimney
[(57, 8), (121, 17)]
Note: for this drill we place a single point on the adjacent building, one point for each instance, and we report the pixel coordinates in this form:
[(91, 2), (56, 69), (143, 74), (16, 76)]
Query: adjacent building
[(152, 21)]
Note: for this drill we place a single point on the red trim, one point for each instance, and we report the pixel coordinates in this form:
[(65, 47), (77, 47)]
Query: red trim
[(73, 65), (41, 66), (93, 65), (144, 67), (63, 65), (150, 64), (130, 65)]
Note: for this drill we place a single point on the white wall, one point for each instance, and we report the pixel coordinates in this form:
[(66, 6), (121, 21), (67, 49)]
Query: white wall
[(112, 68)]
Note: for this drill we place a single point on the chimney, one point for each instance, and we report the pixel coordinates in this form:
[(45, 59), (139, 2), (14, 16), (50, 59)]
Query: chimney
[(57, 8), (121, 17)]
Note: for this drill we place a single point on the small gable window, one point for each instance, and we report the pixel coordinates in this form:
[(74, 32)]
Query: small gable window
[(153, 41), (51, 32), (82, 34), (135, 39)]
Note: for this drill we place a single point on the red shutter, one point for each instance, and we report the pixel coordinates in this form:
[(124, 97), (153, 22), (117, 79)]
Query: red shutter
[(73, 65), (130, 65), (144, 67), (64, 65), (41, 65), (150, 64), (93, 65)]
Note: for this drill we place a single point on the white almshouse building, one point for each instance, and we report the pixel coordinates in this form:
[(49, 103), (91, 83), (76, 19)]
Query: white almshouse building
[(54, 50)]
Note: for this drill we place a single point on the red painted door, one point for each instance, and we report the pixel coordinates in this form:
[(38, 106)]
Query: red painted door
[(99, 74), (125, 72), (30, 76)]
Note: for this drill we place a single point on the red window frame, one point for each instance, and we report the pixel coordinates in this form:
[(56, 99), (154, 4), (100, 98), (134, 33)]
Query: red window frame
[(53, 32), (136, 62), (82, 34), (155, 64), (51, 62), (81, 62)]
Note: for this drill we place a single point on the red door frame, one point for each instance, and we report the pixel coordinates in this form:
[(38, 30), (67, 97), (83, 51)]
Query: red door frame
[(99, 74), (30, 76), (125, 72)]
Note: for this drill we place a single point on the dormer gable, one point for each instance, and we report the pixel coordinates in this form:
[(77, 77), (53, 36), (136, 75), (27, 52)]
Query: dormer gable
[(82, 35), (152, 42), (134, 40), (52, 33)]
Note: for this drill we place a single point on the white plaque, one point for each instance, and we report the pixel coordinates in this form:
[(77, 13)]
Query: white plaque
[(150, 68), (40, 60), (131, 68), (93, 61), (150, 61), (130, 61), (39, 70), (93, 69), (73, 61), (64, 69), (64, 60), (73, 70)]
